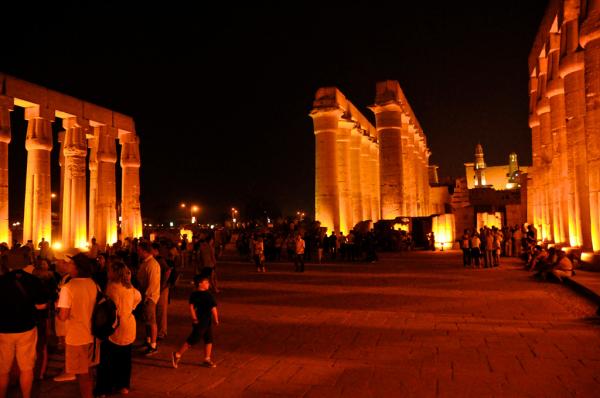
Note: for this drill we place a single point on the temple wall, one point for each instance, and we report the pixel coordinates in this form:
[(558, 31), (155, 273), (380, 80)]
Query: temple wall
[(564, 70)]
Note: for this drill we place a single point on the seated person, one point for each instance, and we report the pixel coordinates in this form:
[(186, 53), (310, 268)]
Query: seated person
[(563, 267)]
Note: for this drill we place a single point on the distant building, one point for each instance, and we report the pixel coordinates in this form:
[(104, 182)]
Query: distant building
[(490, 196), (479, 175)]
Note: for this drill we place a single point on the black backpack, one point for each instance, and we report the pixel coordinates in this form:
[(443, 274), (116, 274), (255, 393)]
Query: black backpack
[(104, 317)]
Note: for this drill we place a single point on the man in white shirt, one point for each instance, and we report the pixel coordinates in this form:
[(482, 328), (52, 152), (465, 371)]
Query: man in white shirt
[(149, 279), (76, 304)]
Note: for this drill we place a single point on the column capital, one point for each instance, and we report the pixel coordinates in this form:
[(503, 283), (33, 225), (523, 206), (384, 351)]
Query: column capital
[(76, 121), (543, 106), (555, 87), (130, 153), (571, 63), (590, 28), (37, 112), (6, 105), (534, 120)]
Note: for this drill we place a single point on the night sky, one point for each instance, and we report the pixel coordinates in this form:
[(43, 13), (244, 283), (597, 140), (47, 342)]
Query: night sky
[(221, 96)]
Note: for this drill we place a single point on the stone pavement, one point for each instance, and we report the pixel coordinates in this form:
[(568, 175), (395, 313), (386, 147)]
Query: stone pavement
[(414, 324)]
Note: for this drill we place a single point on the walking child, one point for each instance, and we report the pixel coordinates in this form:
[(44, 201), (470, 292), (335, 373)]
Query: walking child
[(203, 309)]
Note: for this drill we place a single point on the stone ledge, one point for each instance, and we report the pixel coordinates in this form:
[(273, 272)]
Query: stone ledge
[(586, 284)]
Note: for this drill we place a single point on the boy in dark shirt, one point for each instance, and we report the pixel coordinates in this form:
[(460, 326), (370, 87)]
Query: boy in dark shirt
[(203, 309)]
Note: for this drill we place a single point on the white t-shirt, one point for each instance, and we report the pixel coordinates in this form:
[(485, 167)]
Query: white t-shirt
[(80, 296)]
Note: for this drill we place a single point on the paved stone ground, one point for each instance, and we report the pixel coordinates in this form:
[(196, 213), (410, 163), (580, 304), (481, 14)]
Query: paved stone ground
[(414, 324)]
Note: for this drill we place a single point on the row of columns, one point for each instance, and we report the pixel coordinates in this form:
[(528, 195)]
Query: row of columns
[(365, 172), (79, 134), (565, 127), (404, 156), (346, 165)]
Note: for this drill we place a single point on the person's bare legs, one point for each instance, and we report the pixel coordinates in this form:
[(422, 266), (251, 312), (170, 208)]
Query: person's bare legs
[(85, 385), (25, 381), (184, 347), (207, 351)]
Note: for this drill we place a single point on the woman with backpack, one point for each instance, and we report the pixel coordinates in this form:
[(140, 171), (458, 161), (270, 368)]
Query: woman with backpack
[(114, 371)]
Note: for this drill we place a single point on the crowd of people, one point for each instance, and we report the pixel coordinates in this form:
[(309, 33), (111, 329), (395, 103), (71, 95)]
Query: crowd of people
[(486, 247), (56, 294), (305, 245)]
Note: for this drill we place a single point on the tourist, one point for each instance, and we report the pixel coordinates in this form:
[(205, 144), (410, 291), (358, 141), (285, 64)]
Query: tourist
[(149, 283), (114, 371), (465, 245), (563, 267), (258, 250), (49, 289), (21, 294), (76, 304), (163, 301), (299, 258), (203, 310), (475, 250)]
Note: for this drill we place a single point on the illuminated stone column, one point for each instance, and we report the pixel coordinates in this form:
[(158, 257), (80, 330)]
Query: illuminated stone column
[(590, 41), (571, 71), (6, 105), (365, 177), (327, 209), (93, 192), (543, 111), (74, 217), (559, 168), (535, 187), (37, 223), (375, 183), (409, 198), (344, 176), (357, 205), (106, 198), (389, 122), (131, 216)]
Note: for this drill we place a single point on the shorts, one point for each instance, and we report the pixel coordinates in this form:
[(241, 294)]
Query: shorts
[(149, 312), (79, 358), (198, 333), (20, 346)]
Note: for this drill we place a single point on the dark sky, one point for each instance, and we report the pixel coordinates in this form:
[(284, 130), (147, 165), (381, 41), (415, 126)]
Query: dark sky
[(221, 95)]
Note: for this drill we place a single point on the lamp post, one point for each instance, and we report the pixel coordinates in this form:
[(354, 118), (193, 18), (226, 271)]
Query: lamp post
[(193, 210)]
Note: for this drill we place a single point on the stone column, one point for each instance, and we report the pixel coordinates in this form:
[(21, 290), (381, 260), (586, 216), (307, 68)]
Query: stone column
[(559, 169), (74, 217), (131, 216), (327, 209), (389, 122), (375, 183), (543, 111), (344, 177), (406, 152), (535, 187), (590, 41), (357, 205), (6, 105), (365, 177), (571, 71), (93, 192), (37, 223), (106, 199)]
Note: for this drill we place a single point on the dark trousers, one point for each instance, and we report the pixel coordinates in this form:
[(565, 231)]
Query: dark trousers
[(466, 256), (299, 262), (114, 370)]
